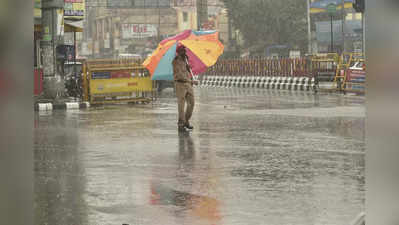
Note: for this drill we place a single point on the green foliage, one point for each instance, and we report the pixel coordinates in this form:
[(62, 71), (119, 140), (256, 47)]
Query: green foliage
[(270, 22)]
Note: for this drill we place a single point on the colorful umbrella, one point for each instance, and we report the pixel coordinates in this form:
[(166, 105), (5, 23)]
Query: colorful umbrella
[(203, 48)]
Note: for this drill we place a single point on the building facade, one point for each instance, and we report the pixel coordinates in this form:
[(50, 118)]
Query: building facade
[(134, 28)]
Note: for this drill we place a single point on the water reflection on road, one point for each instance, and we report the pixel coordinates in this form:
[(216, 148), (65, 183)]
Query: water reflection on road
[(255, 157)]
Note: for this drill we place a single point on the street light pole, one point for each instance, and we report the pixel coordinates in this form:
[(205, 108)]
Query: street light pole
[(343, 26), (331, 9), (332, 35), (309, 28)]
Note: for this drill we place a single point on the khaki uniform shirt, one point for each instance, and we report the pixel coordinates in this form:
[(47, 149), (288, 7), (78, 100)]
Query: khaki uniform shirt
[(180, 71)]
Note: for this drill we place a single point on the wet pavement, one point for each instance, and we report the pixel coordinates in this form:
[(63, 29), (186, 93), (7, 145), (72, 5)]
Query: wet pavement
[(256, 157)]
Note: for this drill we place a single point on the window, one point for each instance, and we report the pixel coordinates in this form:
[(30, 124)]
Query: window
[(185, 16)]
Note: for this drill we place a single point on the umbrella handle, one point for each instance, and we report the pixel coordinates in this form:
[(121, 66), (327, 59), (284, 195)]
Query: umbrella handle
[(191, 72)]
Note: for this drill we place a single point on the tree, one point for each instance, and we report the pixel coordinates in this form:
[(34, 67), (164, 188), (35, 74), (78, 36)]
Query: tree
[(270, 22)]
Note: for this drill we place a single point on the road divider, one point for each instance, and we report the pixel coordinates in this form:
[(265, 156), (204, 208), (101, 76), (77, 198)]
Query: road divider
[(278, 83), (61, 106)]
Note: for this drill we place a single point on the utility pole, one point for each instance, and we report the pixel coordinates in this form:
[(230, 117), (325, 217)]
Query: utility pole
[(309, 28), (52, 36), (332, 35), (343, 26)]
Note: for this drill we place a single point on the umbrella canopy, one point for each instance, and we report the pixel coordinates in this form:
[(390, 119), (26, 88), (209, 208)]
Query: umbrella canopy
[(203, 48)]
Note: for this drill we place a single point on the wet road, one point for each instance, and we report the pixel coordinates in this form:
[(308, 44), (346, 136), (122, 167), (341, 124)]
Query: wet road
[(256, 157)]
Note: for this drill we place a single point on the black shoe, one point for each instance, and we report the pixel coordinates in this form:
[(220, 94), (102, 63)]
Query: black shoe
[(188, 126), (181, 128)]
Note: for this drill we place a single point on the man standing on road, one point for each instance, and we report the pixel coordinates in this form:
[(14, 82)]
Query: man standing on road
[(184, 88)]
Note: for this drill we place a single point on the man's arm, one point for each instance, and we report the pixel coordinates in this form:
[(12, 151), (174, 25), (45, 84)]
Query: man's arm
[(174, 69)]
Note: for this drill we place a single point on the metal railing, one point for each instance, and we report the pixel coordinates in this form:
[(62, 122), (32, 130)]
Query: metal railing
[(263, 67)]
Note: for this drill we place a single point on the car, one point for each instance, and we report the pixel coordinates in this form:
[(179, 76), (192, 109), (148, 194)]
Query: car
[(359, 65)]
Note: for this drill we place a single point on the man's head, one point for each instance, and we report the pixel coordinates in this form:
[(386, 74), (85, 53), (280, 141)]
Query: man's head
[(181, 51)]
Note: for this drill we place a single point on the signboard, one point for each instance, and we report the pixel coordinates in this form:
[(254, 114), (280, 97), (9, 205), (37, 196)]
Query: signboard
[(138, 4), (321, 6), (37, 12), (121, 85), (101, 75), (74, 9), (331, 8), (137, 31)]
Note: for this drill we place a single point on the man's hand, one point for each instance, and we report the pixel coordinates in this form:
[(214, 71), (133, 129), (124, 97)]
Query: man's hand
[(195, 82)]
